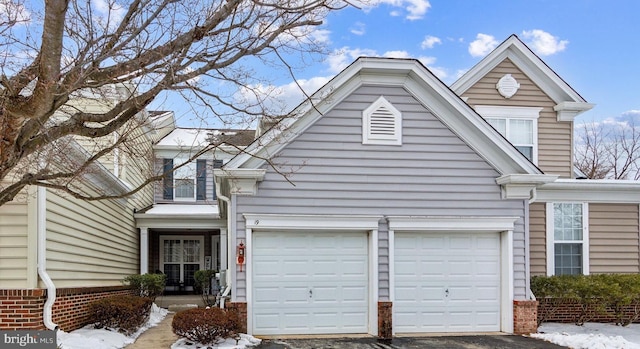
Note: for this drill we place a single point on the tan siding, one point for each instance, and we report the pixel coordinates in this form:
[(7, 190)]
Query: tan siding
[(613, 238), (14, 244), (554, 138), (89, 243), (538, 238)]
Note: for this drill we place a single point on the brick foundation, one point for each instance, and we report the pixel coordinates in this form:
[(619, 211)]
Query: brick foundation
[(241, 308), (385, 320), (569, 310), (22, 309), (525, 317)]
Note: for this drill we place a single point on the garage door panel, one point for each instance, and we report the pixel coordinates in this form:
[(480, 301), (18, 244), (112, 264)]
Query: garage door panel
[(450, 283), (321, 280)]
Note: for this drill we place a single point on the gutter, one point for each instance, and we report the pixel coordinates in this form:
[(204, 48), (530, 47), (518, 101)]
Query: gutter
[(42, 259), (226, 199)]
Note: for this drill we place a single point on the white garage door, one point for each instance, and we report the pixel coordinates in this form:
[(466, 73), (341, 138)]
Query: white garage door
[(446, 282), (309, 283)]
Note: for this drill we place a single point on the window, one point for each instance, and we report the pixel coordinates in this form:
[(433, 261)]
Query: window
[(180, 258), (519, 125), (567, 239), (184, 181), (381, 123), (189, 182)]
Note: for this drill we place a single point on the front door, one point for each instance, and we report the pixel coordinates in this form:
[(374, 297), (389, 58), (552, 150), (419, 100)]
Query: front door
[(180, 258)]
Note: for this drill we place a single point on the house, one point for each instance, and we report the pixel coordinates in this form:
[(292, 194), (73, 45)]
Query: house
[(392, 204), (183, 231), (58, 253), (576, 226), (395, 204)]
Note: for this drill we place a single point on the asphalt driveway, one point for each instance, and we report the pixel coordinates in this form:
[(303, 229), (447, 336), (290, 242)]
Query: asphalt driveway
[(449, 342)]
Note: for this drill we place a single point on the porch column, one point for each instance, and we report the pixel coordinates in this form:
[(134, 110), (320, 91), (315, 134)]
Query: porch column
[(144, 250), (223, 249)]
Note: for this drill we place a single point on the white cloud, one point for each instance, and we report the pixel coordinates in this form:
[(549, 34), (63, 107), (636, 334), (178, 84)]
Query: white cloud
[(282, 98), (430, 62), (544, 43), (483, 44), (396, 54), (415, 9), (632, 117), (109, 9), (321, 36), (358, 28), (430, 41), (291, 95), (13, 11), (341, 58)]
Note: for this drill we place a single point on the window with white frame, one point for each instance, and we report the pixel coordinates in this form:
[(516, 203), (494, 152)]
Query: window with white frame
[(567, 238), (519, 125), (189, 182), (184, 181)]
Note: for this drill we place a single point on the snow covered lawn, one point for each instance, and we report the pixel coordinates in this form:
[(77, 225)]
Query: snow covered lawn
[(90, 338), (591, 335)]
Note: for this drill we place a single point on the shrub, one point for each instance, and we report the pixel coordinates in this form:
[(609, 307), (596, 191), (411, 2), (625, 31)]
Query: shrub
[(595, 295), (203, 285), (206, 326), (124, 313), (148, 285)]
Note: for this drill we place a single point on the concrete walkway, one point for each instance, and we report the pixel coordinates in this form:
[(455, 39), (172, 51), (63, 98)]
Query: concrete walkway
[(160, 337)]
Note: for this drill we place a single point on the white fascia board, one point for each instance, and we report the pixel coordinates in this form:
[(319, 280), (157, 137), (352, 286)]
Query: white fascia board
[(567, 111), (451, 223), (528, 62), (590, 190), (241, 181), (518, 186), (311, 222), (179, 222)]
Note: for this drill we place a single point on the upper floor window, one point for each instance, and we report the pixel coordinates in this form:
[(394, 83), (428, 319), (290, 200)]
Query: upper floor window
[(188, 182), (567, 239), (381, 123), (519, 125)]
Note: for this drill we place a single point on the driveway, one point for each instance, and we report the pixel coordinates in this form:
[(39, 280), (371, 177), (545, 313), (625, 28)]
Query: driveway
[(449, 342)]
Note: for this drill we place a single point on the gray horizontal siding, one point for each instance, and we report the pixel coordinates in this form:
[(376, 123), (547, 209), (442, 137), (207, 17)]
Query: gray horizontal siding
[(329, 171)]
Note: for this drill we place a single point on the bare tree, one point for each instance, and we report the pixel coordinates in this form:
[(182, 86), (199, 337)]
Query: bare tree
[(608, 150), (131, 52)]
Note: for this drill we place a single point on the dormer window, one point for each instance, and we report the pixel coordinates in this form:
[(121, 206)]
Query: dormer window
[(519, 125), (381, 123)]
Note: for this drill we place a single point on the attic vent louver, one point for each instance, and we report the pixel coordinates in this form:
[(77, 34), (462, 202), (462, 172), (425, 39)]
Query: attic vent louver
[(381, 123)]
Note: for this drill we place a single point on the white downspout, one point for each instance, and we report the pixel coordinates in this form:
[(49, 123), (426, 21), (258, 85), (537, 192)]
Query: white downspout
[(42, 259), (229, 244)]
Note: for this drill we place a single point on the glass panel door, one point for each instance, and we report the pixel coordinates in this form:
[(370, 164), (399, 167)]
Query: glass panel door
[(180, 258)]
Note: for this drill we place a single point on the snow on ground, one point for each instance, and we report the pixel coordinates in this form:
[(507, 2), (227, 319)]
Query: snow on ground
[(244, 341), (591, 335), (89, 337)]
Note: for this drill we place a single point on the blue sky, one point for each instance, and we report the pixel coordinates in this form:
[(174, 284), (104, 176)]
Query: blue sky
[(592, 45)]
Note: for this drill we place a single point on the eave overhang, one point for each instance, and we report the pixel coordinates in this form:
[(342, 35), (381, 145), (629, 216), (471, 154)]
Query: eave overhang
[(241, 181), (590, 190), (522, 186)]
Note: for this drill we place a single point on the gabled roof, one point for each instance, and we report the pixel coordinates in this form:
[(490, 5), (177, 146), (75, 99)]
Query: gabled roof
[(411, 75), (568, 102)]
